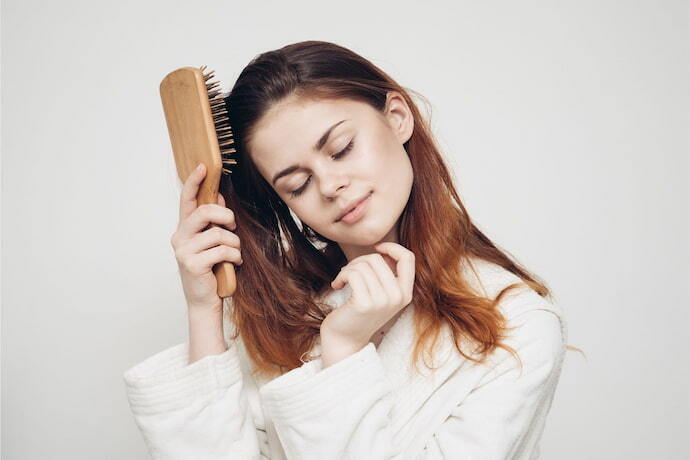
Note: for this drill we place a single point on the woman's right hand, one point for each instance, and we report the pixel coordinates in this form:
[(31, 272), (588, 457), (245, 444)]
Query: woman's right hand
[(198, 250)]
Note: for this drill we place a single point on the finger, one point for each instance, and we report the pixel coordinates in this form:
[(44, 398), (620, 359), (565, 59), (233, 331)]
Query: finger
[(344, 277), (376, 292), (205, 215), (388, 282), (340, 280), (405, 264), (212, 237), (190, 189), (221, 200), (221, 203), (210, 257), (360, 292)]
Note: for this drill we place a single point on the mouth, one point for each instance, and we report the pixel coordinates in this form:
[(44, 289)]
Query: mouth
[(354, 212)]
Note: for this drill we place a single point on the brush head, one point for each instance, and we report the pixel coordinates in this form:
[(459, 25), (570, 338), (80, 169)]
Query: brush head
[(199, 127), (221, 121)]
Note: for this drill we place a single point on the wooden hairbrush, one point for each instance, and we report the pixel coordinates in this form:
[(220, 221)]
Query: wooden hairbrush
[(200, 132)]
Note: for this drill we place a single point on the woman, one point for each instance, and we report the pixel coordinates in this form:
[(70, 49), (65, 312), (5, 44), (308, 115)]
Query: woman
[(361, 261)]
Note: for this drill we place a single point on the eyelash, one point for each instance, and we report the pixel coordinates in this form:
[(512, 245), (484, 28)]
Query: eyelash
[(344, 151)]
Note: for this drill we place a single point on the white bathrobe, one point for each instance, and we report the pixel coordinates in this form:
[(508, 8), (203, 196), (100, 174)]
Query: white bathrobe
[(370, 405)]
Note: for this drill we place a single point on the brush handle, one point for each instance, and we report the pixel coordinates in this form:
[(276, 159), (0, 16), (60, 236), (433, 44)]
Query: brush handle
[(224, 271)]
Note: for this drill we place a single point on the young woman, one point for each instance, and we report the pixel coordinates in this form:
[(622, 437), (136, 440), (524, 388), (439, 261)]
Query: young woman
[(356, 260)]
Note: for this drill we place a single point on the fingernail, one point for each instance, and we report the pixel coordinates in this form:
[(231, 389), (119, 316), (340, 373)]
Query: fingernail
[(198, 168)]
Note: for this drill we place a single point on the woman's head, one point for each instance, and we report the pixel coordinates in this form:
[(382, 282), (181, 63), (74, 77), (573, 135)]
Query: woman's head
[(323, 128), (363, 156), (280, 107)]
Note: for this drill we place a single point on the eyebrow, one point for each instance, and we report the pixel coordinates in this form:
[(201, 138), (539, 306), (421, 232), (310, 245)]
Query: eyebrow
[(318, 146)]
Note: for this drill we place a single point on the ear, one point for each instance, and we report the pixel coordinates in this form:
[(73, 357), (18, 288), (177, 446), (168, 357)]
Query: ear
[(399, 116)]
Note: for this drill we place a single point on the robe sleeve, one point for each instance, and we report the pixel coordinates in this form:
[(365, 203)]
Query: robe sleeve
[(341, 412), (193, 411), (503, 417)]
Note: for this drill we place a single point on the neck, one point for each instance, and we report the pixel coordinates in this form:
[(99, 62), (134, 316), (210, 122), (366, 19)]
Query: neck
[(352, 251)]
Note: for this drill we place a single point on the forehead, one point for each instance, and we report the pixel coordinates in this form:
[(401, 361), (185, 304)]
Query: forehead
[(290, 128)]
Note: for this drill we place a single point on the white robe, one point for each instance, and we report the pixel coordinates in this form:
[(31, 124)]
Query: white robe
[(370, 405)]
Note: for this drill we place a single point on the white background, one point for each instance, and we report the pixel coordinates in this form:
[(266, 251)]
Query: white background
[(566, 125)]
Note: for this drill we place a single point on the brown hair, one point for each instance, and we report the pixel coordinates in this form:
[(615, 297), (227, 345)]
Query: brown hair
[(289, 266)]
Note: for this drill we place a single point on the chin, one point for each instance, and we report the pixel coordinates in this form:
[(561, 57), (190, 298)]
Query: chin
[(367, 234)]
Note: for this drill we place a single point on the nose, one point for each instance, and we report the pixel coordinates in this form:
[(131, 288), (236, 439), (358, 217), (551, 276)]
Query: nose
[(332, 182)]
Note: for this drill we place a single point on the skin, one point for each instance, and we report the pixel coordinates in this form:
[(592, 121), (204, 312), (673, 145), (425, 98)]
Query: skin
[(377, 162)]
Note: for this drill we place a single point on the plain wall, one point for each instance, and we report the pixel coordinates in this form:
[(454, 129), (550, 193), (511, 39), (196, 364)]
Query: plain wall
[(565, 123)]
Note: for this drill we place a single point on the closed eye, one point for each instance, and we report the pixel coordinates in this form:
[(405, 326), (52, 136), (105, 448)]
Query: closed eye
[(336, 156)]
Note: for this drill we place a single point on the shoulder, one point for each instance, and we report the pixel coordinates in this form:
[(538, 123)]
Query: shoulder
[(489, 279), (537, 340), (538, 334), (538, 326)]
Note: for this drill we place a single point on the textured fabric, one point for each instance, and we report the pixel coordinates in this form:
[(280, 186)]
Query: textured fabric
[(370, 405)]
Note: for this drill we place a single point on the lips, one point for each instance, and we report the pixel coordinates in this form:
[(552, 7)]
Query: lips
[(352, 206)]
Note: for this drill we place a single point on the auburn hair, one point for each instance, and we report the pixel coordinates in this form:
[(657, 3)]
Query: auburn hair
[(288, 266)]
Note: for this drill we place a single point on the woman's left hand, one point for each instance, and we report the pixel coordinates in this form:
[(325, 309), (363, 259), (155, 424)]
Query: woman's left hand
[(377, 295)]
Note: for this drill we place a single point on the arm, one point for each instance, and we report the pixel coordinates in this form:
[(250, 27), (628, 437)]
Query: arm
[(504, 416), (194, 410)]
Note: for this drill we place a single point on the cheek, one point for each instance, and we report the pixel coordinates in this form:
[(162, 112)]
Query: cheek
[(377, 160), (388, 151), (301, 213), (391, 166)]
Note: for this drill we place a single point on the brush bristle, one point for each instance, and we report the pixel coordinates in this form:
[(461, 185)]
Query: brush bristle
[(220, 120)]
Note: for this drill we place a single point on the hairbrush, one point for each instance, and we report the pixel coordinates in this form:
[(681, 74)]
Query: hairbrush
[(200, 132)]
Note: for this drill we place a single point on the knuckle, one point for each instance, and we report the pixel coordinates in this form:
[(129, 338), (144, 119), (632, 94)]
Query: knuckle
[(236, 254)]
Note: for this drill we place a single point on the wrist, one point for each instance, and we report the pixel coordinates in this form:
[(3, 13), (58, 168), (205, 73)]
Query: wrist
[(334, 349), (213, 309), (206, 335)]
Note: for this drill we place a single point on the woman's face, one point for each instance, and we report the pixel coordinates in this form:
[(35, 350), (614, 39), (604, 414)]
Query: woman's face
[(323, 156)]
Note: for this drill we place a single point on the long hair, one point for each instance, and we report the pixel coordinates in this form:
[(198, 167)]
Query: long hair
[(288, 266)]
